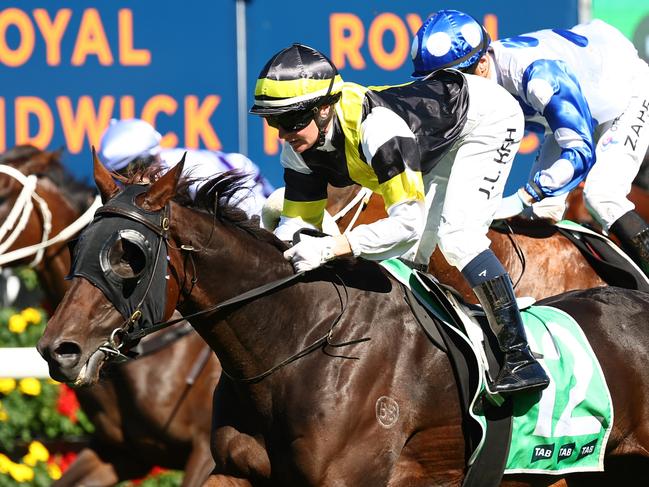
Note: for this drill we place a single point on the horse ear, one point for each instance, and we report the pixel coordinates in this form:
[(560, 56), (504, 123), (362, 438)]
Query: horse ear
[(164, 188), (105, 183)]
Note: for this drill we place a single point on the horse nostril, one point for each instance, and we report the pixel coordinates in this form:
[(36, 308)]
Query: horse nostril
[(67, 354)]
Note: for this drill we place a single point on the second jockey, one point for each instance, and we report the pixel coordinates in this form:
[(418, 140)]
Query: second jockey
[(585, 88)]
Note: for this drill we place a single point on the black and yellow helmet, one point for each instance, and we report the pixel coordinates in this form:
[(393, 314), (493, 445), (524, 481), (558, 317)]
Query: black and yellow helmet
[(295, 79)]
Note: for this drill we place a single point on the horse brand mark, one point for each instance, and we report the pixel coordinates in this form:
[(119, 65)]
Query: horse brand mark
[(387, 411)]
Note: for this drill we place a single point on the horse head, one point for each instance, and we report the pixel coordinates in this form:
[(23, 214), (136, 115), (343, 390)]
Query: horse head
[(118, 283)]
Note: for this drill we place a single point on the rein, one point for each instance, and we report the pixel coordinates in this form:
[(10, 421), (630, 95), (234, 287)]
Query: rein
[(69, 231), (18, 217), (517, 250)]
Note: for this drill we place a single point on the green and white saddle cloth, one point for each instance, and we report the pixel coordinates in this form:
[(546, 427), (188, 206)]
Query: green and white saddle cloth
[(564, 428)]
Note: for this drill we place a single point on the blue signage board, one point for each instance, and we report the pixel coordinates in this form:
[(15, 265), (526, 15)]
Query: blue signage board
[(67, 68)]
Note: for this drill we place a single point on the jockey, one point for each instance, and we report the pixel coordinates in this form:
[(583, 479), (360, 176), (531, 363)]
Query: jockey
[(127, 145), (439, 162), (585, 86)]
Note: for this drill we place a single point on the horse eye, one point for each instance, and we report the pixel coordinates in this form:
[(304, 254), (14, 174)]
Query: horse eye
[(127, 260)]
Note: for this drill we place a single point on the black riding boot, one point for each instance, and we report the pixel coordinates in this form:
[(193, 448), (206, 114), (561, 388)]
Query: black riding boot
[(520, 370), (633, 233)]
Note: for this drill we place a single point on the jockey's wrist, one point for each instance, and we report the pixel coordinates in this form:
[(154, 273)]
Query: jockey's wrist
[(525, 197), (341, 246)]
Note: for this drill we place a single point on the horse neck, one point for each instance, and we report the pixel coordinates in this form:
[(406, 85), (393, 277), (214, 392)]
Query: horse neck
[(51, 274), (228, 262), (56, 261), (337, 198)]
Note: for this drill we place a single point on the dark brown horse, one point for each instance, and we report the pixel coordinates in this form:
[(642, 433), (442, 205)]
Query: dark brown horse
[(145, 412), (298, 405), (540, 260)]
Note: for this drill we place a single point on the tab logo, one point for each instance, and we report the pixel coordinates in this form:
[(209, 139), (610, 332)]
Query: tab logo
[(565, 451), (587, 449), (542, 452)]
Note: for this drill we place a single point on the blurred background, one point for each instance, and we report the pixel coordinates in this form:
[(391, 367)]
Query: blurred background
[(189, 68)]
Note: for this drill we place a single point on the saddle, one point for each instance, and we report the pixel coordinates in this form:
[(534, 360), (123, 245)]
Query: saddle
[(518, 434), (486, 445), (606, 258)]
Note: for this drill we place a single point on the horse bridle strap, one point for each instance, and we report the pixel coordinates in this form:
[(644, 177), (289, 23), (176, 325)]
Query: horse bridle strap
[(240, 299), (263, 290), (160, 229)]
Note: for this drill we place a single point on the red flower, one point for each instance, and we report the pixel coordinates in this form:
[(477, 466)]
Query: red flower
[(157, 471), (67, 403), (63, 460), (152, 473)]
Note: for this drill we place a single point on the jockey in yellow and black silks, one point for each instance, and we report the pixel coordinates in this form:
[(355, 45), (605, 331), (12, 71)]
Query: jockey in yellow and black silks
[(438, 150)]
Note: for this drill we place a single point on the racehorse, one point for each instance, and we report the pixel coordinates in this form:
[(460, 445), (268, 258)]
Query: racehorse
[(151, 411), (534, 253), (307, 359)]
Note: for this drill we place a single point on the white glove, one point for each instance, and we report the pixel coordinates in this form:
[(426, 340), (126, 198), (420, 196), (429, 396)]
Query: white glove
[(551, 209), (310, 253), (510, 206)]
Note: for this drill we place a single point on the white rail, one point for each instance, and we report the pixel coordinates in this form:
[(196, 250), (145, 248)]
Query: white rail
[(22, 362)]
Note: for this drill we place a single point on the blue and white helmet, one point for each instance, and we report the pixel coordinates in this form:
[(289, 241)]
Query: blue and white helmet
[(448, 39)]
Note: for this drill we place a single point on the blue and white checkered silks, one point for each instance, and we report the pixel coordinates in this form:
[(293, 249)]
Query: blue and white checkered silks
[(448, 39)]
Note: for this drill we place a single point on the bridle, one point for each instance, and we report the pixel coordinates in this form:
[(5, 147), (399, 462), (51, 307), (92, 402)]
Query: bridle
[(18, 217), (133, 329)]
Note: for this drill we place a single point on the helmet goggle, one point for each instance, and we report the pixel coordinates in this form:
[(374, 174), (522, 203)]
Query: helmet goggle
[(292, 121)]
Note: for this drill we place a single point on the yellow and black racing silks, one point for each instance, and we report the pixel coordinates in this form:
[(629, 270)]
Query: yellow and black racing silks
[(434, 111)]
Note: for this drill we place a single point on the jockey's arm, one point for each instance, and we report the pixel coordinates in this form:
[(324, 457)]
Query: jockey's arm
[(391, 236), (553, 91), (387, 142), (305, 200)]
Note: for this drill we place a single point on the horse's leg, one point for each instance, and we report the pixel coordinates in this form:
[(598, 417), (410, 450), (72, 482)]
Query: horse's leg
[(88, 469), (225, 481), (101, 469), (199, 465), (235, 453)]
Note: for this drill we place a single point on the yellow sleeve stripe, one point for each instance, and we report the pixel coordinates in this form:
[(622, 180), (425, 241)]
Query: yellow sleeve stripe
[(310, 211), (406, 186)]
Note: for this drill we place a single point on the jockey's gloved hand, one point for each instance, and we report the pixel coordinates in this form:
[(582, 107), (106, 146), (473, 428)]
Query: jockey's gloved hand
[(310, 252), (513, 205)]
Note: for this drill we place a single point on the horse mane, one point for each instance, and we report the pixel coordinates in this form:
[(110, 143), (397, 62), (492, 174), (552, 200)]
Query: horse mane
[(216, 197), (80, 195), (19, 154)]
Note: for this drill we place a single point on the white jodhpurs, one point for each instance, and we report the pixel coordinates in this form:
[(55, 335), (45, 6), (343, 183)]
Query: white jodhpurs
[(464, 189)]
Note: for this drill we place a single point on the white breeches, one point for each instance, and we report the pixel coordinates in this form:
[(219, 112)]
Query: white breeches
[(621, 147), (464, 189)]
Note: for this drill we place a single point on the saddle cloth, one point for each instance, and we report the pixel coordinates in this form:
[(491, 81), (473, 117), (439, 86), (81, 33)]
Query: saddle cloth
[(564, 428)]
